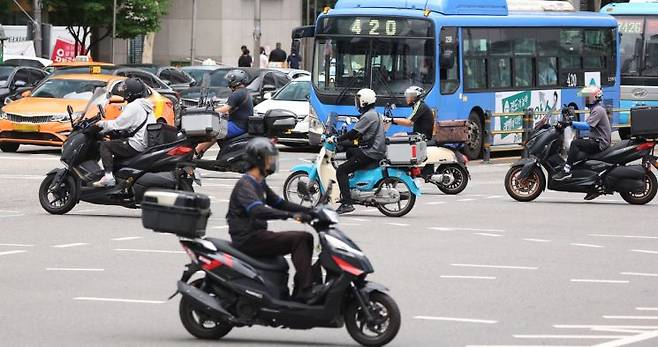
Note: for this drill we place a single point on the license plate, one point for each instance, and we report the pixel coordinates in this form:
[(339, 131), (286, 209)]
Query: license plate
[(27, 128)]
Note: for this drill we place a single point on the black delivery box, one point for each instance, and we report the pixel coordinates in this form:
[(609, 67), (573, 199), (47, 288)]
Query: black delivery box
[(181, 213), (644, 122)]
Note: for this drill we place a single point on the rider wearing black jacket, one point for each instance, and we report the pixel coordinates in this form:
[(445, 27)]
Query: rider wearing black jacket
[(253, 203)]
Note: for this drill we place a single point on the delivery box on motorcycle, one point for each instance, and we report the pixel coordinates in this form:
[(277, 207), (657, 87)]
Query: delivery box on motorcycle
[(644, 122), (274, 123), (175, 212), (200, 122), (160, 133), (406, 149)]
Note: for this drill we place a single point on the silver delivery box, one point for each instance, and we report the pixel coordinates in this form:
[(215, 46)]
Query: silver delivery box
[(200, 122), (406, 150)]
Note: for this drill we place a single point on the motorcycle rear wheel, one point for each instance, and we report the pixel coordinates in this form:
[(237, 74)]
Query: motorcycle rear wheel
[(384, 327), (197, 324), (524, 190), (58, 202), (460, 179), (388, 210), (650, 190)]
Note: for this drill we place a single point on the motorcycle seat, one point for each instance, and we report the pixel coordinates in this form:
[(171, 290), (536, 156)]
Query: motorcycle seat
[(278, 264), (236, 139), (601, 155)]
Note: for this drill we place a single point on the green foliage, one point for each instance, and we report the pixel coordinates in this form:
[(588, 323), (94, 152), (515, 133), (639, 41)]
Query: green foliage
[(140, 17)]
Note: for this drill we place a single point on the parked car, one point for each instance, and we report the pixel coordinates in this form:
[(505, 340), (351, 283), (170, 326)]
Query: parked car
[(294, 73), (175, 78), (292, 97), (260, 82), (156, 84), (197, 71), (22, 60), (40, 117), (15, 80)]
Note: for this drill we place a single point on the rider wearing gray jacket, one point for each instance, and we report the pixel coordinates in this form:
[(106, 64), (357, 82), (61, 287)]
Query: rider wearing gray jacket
[(132, 121)]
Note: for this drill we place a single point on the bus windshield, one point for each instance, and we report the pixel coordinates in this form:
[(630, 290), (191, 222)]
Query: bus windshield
[(355, 53), (639, 45)]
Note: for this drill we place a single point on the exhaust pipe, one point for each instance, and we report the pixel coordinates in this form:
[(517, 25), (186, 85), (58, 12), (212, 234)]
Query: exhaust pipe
[(204, 302)]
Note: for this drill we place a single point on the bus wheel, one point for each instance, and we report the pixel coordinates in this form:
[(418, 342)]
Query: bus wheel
[(473, 147)]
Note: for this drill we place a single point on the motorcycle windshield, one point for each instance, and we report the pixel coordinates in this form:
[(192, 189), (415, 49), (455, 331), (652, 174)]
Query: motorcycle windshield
[(100, 97)]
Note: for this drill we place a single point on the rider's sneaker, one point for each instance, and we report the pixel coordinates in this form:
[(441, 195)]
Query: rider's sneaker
[(107, 181), (345, 208), (562, 176), (591, 196)]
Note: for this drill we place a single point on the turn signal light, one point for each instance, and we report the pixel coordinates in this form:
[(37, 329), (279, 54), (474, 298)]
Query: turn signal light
[(415, 172), (179, 151), (645, 146)]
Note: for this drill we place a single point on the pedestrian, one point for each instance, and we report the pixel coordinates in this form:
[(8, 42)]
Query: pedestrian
[(294, 60), (263, 58), (245, 59), (278, 55)]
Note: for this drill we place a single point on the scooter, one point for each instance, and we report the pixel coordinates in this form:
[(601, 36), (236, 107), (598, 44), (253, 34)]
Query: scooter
[(238, 290), (390, 189), (603, 173), (164, 166)]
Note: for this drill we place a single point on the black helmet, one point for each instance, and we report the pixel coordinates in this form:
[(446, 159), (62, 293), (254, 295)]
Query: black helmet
[(259, 151), (236, 77), (133, 89)]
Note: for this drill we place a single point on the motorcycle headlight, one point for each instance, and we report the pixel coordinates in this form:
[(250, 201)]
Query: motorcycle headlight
[(59, 117), (3, 115)]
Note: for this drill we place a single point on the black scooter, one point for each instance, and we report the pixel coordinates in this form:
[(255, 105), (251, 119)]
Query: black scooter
[(603, 173), (238, 290), (165, 166)]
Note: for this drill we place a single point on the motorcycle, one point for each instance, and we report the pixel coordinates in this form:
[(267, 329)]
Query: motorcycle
[(603, 173), (164, 166), (238, 290), (390, 189)]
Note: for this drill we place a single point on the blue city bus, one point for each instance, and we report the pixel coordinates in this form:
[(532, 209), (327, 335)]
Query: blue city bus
[(638, 26), (469, 56)]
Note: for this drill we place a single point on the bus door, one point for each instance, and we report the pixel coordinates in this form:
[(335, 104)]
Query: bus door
[(449, 102)]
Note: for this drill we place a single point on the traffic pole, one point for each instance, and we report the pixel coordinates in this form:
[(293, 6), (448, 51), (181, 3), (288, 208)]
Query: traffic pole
[(257, 34), (38, 47), (114, 26), (192, 39)]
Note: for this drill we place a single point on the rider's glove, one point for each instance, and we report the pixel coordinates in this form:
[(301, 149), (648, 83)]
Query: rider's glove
[(302, 217)]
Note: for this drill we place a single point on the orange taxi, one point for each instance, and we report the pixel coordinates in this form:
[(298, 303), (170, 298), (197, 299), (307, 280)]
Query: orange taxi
[(40, 117)]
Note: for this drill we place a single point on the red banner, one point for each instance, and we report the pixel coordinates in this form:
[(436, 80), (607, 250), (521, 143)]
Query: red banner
[(64, 51)]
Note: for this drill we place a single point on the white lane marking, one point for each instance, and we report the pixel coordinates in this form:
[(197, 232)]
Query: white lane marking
[(15, 245), (11, 252), (488, 234), (625, 236), (630, 339), (589, 245), (454, 319), (522, 346), (9, 211), (494, 196), (358, 219), (71, 269), (465, 200), (436, 203), (83, 298), (30, 158), (596, 337), (13, 215), (127, 238), (469, 277), (22, 177), (537, 240), (645, 274), (647, 308), (398, 224), (632, 317), (220, 227), (602, 327), (466, 229), (586, 280), (67, 245), (147, 250), (350, 224), (644, 251), (498, 266)]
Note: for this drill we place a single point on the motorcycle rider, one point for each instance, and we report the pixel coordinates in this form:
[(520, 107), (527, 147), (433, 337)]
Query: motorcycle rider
[(600, 133), (131, 123), (253, 203), (239, 107), (369, 132)]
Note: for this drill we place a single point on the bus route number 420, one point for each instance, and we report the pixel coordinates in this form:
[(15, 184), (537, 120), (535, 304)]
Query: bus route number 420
[(374, 27)]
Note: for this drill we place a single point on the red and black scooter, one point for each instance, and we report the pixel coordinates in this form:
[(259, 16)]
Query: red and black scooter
[(237, 290)]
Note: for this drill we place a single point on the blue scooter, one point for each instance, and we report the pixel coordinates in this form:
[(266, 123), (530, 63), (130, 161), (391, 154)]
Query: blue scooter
[(390, 189)]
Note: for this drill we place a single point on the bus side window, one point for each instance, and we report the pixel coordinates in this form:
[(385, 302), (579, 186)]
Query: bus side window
[(449, 60), (475, 45), (547, 53)]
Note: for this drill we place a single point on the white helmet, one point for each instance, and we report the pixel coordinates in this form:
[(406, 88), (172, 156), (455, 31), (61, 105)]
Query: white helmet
[(364, 98), (414, 91)]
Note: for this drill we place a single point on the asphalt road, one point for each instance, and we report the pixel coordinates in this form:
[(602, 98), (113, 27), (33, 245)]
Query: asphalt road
[(477, 269)]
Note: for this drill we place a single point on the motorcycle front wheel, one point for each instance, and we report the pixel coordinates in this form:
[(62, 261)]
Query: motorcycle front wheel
[(645, 196), (384, 325), (58, 200), (291, 193), (197, 323), (459, 179), (527, 189), (402, 206)]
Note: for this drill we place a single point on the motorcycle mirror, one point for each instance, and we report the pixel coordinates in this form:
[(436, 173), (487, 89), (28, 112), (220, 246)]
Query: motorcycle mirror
[(101, 111), (69, 110)]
